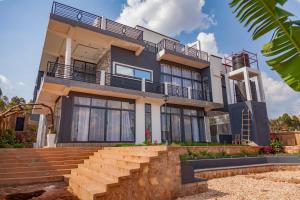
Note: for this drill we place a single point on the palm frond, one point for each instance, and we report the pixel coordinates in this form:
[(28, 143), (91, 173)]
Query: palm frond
[(264, 16)]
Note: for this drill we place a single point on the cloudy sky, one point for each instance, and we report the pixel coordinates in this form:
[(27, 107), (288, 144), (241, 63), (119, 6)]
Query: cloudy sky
[(23, 27)]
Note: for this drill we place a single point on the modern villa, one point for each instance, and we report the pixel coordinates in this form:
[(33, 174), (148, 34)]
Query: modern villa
[(110, 83)]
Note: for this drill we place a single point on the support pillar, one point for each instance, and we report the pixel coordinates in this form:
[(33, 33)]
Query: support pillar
[(68, 54), (247, 85), (156, 123), (228, 89), (140, 122)]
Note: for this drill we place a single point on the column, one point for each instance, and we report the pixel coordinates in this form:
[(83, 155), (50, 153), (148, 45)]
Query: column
[(67, 70), (140, 122), (156, 123), (228, 89), (261, 88), (247, 84), (207, 129)]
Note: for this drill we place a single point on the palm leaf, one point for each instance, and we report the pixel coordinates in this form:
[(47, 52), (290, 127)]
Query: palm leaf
[(283, 50)]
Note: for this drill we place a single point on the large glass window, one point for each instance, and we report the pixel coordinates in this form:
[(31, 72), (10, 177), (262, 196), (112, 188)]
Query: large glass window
[(180, 79), (103, 120), (182, 124), (134, 72)]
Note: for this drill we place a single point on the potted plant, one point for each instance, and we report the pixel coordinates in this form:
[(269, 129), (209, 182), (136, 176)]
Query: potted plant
[(51, 138)]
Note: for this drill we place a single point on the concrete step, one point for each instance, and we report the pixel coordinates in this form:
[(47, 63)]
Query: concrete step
[(37, 168), (29, 180), (124, 157), (42, 155), (86, 189), (120, 163), (45, 159), (138, 148), (143, 153), (96, 176), (111, 173), (40, 164), (35, 173)]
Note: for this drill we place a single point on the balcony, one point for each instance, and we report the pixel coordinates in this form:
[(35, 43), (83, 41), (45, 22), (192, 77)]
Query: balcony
[(180, 53), (102, 78)]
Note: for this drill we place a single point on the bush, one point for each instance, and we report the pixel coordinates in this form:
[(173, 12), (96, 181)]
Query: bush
[(18, 146), (8, 137), (266, 150), (276, 145)]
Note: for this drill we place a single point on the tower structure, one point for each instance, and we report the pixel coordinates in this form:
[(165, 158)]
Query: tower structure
[(246, 99)]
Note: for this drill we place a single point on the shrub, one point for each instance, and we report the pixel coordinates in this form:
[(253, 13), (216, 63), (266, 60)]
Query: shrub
[(276, 145), (18, 146), (8, 137), (266, 150)]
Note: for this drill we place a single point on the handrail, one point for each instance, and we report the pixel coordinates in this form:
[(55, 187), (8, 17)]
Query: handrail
[(182, 49), (93, 20)]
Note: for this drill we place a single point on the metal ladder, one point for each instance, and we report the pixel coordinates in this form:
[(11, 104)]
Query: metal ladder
[(246, 126)]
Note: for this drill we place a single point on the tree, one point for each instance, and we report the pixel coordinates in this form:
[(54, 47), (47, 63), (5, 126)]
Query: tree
[(265, 16), (284, 123)]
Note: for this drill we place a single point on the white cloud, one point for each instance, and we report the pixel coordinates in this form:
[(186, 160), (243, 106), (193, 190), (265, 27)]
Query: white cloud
[(5, 82), (280, 97), (170, 17), (21, 83), (208, 43)]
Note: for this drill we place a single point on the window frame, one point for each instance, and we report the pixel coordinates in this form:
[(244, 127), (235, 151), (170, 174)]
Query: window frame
[(114, 71), (106, 109)]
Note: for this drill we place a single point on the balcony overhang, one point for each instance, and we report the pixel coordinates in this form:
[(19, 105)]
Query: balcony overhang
[(172, 56), (238, 74), (52, 88)]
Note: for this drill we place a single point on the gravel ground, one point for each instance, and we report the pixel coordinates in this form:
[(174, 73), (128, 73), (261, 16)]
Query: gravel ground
[(283, 185)]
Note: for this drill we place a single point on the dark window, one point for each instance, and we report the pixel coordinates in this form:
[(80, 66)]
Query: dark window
[(182, 124), (20, 124), (133, 72), (148, 123), (103, 120), (84, 71), (180, 79)]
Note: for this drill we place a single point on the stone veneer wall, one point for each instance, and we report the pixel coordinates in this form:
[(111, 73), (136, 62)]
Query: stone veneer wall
[(161, 178), (220, 173)]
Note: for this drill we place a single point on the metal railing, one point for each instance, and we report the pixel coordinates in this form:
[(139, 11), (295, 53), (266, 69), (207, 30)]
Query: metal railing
[(92, 20), (150, 46), (182, 49), (92, 75)]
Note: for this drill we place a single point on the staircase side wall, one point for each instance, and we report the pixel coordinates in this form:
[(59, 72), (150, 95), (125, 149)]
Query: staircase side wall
[(159, 180)]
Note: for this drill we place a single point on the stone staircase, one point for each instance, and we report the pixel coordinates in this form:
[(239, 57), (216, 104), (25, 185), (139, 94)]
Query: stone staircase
[(29, 166), (119, 173)]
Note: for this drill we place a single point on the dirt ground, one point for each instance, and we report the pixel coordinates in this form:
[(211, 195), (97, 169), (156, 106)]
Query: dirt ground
[(283, 185), (47, 191)]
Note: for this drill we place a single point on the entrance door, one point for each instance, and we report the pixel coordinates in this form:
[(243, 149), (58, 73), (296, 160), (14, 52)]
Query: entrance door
[(20, 124)]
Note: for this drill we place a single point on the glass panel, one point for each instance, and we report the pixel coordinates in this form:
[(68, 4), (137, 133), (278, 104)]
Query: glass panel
[(166, 68), (80, 124), (142, 74), (187, 129), (196, 76), (197, 90), (176, 128), (166, 79), (124, 70), (97, 125), (99, 102), (113, 104), (127, 106), (90, 68), (79, 66), (165, 121), (82, 101), (127, 126), (195, 129), (148, 108), (176, 71), (186, 73), (113, 125), (175, 110), (202, 129), (187, 112)]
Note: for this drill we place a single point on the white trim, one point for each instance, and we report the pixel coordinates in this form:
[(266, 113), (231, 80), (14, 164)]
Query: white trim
[(133, 78)]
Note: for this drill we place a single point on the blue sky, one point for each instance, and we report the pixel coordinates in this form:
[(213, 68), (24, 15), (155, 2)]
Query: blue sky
[(23, 27)]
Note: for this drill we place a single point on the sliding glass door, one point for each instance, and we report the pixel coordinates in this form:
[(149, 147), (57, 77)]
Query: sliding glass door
[(182, 124), (103, 120)]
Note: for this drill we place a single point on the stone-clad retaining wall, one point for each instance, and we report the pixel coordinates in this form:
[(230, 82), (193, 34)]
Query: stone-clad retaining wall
[(243, 170)]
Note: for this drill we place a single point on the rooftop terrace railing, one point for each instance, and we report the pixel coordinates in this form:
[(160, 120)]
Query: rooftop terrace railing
[(182, 49), (90, 19)]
